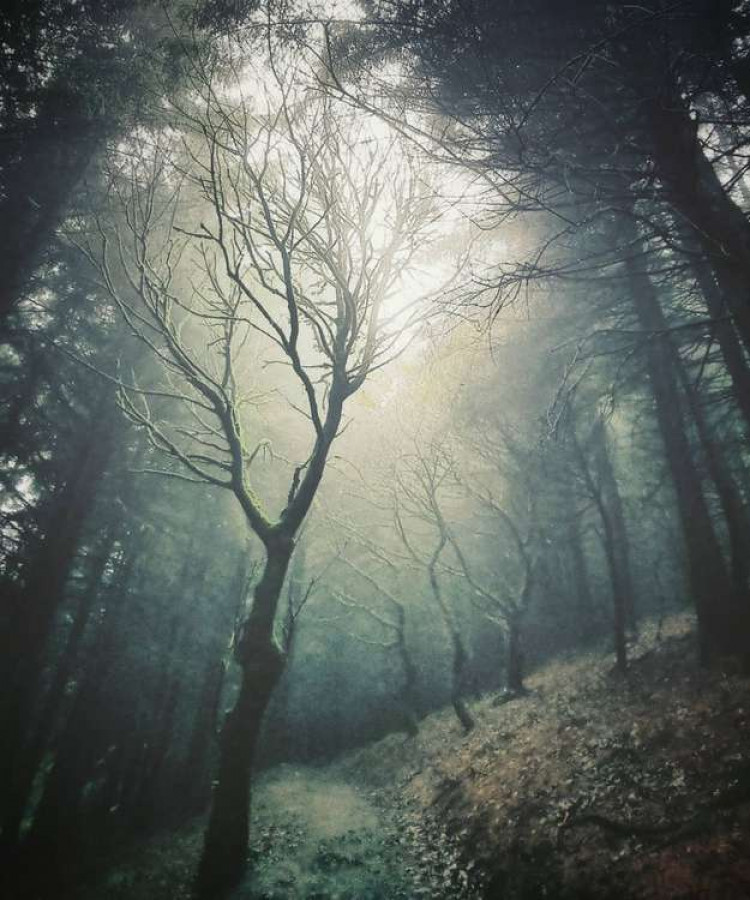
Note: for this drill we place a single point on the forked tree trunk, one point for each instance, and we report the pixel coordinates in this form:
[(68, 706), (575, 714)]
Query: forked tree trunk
[(262, 663)]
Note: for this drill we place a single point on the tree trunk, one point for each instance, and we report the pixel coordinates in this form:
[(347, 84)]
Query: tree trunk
[(262, 663), (735, 514), (618, 593), (160, 728), (620, 538), (723, 623), (36, 605), (583, 597), (726, 337), (406, 697), (457, 700), (56, 836), (55, 833), (460, 657), (579, 583), (283, 734), (604, 493), (196, 783), (133, 761), (148, 812), (34, 749), (515, 664)]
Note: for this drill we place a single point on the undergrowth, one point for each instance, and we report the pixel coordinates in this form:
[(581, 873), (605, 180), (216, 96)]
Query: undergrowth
[(591, 785)]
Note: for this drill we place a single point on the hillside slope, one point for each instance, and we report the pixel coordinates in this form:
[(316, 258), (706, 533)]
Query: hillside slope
[(591, 786)]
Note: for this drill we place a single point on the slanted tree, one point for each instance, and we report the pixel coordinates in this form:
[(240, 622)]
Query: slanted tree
[(427, 476), (724, 622), (393, 635), (504, 595)]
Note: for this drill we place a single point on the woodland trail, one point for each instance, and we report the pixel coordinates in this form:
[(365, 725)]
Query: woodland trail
[(320, 838)]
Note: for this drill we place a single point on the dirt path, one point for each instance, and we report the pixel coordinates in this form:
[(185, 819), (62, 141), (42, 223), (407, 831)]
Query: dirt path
[(318, 838)]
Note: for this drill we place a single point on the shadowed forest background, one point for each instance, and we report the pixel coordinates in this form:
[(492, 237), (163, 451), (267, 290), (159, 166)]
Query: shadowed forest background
[(375, 488)]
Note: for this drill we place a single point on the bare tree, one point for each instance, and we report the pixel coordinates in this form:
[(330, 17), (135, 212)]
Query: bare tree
[(252, 237), (420, 521), (392, 625), (502, 591)]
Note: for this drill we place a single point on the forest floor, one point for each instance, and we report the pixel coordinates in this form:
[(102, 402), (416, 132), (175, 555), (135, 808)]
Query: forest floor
[(316, 836), (589, 786)]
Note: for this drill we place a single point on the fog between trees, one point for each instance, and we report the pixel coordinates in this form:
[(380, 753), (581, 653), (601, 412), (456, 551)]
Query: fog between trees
[(352, 367)]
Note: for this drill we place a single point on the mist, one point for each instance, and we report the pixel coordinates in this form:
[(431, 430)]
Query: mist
[(374, 506)]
